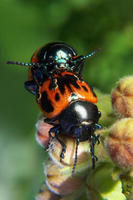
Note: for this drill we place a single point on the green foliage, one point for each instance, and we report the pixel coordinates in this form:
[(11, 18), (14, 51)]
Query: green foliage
[(25, 26)]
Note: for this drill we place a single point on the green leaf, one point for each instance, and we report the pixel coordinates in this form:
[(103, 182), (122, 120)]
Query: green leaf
[(103, 185)]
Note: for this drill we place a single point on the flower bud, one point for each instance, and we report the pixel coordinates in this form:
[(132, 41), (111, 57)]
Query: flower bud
[(120, 143), (122, 97), (42, 135), (83, 154), (59, 183)]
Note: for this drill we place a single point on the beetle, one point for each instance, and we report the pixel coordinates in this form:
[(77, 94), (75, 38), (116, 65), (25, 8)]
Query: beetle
[(50, 58)]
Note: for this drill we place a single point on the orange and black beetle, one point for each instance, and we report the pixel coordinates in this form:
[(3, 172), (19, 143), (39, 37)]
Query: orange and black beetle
[(66, 100), (50, 58), (68, 105)]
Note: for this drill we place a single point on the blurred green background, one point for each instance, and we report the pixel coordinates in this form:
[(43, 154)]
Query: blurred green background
[(25, 26)]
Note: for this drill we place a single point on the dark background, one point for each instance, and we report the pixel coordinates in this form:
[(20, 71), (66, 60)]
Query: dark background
[(25, 25)]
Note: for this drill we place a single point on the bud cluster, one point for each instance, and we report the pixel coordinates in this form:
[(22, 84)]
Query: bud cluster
[(115, 153), (120, 140), (122, 97)]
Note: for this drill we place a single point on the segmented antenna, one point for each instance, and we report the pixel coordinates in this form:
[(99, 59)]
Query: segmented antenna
[(23, 64), (80, 58), (75, 160)]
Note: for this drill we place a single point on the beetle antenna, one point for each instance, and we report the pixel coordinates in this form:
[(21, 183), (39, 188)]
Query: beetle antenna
[(93, 140), (92, 152), (80, 58), (23, 64), (75, 160)]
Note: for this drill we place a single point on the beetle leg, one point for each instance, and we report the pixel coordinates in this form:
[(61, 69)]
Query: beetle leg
[(51, 137), (92, 144), (31, 86), (97, 139), (52, 130), (57, 132), (93, 139), (97, 126), (51, 121)]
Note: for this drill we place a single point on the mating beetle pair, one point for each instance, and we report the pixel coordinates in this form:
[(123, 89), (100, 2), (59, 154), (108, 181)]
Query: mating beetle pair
[(66, 100)]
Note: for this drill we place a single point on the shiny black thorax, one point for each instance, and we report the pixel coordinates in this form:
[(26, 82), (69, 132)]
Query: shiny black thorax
[(58, 55), (78, 120)]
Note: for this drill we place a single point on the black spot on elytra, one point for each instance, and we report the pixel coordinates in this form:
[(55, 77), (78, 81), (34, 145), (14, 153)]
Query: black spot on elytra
[(61, 85), (67, 80), (93, 91), (46, 103), (84, 88), (57, 97), (71, 79)]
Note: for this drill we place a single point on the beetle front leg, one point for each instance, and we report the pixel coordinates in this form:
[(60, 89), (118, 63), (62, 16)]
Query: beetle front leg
[(51, 137), (57, 130), (31, 86)]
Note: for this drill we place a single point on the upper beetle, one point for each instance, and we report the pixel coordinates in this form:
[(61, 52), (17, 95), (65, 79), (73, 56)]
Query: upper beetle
[(50, 58)]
